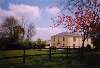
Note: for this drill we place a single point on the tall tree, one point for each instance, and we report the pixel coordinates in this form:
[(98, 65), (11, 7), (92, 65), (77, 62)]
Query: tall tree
[(12, 29), (30, 31)]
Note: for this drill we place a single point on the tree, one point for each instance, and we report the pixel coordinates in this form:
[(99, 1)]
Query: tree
[(39, 43), (30, 31), (12, 29), (10, 33), (14, 32), (19, 32), (85, 18)]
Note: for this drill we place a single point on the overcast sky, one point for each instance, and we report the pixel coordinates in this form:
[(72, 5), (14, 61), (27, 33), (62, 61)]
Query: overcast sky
[(38, 12)]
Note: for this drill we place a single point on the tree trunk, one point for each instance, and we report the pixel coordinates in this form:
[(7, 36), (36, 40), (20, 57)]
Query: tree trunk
[(82, 48)]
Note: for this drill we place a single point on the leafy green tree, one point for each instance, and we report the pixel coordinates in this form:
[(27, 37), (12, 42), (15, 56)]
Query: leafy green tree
[(39, 43)]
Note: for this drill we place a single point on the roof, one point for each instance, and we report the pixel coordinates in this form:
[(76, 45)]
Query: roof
[(68, 34)]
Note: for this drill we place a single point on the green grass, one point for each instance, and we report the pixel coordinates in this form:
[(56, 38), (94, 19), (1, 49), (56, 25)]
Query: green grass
[(42, 61), (11, 53), (33, 61)]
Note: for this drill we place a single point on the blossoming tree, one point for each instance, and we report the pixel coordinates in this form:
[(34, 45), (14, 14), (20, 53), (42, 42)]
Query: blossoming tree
[(85, 18)]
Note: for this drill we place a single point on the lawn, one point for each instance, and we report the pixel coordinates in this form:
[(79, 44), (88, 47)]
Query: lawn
[(38, 53), (42, 61), (32, 61), (10, 53)]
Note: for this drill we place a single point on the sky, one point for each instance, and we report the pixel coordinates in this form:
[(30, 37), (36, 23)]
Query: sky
[(37, 12)]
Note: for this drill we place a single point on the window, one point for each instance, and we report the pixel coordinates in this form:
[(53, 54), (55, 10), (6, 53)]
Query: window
[(53, 44), (54, 39), (73, 45), (58, 43), (74, 39), (63, 38), (58, 40), (63, 45)]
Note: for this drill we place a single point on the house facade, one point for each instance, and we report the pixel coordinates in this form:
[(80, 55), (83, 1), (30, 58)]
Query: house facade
[(62, 40)]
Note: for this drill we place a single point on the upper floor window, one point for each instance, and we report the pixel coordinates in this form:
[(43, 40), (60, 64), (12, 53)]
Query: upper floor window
[(63, 38), (58, 39), (74, 39)]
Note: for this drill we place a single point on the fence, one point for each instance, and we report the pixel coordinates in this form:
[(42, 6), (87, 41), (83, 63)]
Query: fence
[(68, 51)]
